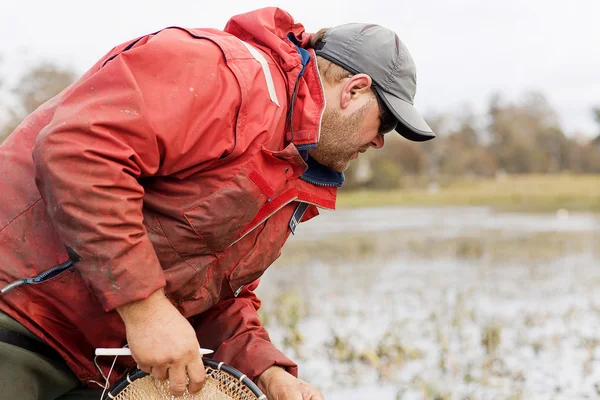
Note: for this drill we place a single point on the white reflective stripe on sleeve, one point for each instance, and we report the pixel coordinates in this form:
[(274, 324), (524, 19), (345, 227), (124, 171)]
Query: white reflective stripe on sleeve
[(266, 71)]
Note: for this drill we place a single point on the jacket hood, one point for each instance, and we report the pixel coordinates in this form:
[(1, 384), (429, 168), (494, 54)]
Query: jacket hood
[(269, 27), (275, 32)]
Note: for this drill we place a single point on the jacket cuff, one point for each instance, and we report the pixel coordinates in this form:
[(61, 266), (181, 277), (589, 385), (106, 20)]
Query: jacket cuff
[(133, 276)]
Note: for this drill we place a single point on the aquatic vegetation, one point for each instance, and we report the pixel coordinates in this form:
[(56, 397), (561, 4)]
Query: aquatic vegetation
[(498, 310)]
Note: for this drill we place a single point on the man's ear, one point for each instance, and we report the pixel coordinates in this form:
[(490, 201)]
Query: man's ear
[(356, 85)]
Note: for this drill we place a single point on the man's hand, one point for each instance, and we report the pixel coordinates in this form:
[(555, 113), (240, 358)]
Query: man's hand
[(163, 343), (277, 384)]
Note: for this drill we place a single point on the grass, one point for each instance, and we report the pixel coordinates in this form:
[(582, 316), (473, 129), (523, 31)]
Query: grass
[(513, 192)]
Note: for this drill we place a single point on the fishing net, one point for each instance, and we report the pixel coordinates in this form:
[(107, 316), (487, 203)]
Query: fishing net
[(222, 383)]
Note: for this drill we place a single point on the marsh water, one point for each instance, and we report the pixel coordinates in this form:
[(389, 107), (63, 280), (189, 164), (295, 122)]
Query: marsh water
[(440, 303)]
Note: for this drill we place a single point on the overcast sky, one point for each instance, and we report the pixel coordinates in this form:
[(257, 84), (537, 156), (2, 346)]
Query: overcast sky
[(464, 49)]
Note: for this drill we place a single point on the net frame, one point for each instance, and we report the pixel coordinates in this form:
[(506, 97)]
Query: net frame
[(238, 376)]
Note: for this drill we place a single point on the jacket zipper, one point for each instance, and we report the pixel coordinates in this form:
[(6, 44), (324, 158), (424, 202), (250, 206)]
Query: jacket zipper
[(50, 273), (316, 183)]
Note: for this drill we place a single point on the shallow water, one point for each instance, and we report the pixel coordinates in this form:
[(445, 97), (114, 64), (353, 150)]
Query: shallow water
[(446, 222), (400, 324)]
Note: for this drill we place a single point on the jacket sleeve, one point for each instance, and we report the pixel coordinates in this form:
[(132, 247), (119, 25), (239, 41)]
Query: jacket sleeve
[(156, 109), (233, 329)]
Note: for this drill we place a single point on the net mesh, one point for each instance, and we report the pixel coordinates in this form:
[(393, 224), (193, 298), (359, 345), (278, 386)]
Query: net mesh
[(219, 385)]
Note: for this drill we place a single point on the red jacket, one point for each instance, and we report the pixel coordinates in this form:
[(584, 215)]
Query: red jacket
[(169, 164)]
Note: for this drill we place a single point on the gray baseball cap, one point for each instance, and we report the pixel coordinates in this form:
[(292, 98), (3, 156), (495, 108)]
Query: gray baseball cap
[(378, 52)]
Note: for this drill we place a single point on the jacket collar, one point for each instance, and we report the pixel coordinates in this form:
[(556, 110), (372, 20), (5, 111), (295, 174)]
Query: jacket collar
[(320, 175)]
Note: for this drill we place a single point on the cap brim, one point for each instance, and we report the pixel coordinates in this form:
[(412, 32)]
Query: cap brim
[(411, 125)]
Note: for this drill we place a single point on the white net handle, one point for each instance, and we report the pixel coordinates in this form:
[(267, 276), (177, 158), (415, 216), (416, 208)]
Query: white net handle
[(125, 351)]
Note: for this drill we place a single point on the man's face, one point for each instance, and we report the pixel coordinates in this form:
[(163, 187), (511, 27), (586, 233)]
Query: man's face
[(345, 135)]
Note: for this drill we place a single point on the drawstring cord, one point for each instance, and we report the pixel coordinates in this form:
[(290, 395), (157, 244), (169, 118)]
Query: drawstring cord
[(290, 115), (106, 377)]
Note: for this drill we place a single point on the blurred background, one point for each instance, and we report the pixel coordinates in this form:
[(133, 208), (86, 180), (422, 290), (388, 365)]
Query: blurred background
[(462, 268)]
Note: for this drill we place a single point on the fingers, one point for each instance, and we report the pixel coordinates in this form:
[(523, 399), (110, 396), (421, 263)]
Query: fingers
[(145, 367), (180, 377), (177, 380), (197, 375), (276, 383), (160, 373)]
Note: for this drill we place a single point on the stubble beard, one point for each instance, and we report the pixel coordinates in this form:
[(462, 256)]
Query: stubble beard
[(339, 140)]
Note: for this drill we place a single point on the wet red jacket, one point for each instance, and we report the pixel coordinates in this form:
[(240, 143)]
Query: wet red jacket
[(169, 164)]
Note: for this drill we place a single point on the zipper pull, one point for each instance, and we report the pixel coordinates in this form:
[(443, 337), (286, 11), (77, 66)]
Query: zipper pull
[(238, 291)]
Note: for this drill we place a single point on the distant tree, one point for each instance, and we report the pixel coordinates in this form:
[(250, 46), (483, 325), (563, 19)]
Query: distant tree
[(589, 157), (526, 137), (461, 151), (596, 112), (33, 89)]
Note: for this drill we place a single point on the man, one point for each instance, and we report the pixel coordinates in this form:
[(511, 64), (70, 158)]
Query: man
[(165, 181)]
